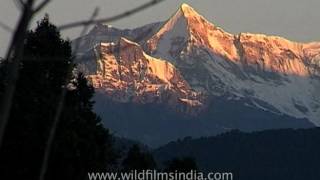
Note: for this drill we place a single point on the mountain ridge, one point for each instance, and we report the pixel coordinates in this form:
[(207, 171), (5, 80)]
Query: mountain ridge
[(190, 63), (238, 63), (277, 154), (219, 41)]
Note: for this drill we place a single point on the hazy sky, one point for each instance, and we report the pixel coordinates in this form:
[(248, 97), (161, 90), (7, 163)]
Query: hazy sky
[(297, 20)]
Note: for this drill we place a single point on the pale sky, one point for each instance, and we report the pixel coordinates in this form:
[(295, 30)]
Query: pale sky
[(296, 20)]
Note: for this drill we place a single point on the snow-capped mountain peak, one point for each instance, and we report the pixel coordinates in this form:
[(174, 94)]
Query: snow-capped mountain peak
[(188, 28), (252, 66), (187, 64), (188, 11)]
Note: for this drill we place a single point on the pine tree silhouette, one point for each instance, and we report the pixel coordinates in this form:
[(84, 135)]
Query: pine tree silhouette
[(81, 144)]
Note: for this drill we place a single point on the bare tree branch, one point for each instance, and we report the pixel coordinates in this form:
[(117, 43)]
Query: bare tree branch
[(22, 3), (41, 6), (84, 31), (113, 18), (59, 109), (19, 4), (54, 126), (14, 56), (6, 27)]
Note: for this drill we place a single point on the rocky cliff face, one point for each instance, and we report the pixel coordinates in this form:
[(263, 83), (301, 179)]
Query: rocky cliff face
[(125, 73), (106, 33)]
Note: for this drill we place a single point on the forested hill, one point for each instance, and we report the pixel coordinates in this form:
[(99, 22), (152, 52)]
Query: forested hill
[(274, 154)]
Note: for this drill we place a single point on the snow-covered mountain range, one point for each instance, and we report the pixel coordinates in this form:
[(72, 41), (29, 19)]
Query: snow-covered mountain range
[(186, 63)]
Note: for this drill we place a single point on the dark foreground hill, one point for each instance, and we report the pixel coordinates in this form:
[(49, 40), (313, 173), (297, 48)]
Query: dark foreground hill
[(269, 155)]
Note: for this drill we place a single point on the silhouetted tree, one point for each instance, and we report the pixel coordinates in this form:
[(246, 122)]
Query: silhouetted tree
[(81, 143), (138, 160)]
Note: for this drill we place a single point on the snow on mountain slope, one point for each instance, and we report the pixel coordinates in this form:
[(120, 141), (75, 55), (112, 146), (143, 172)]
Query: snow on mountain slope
[(187, 56), (124, 73), (187, 28), (281, 73), (106, 33), (215, 80), (312, 53)]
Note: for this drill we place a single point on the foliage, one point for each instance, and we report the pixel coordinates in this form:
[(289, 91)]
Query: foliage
[(81, 143)]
